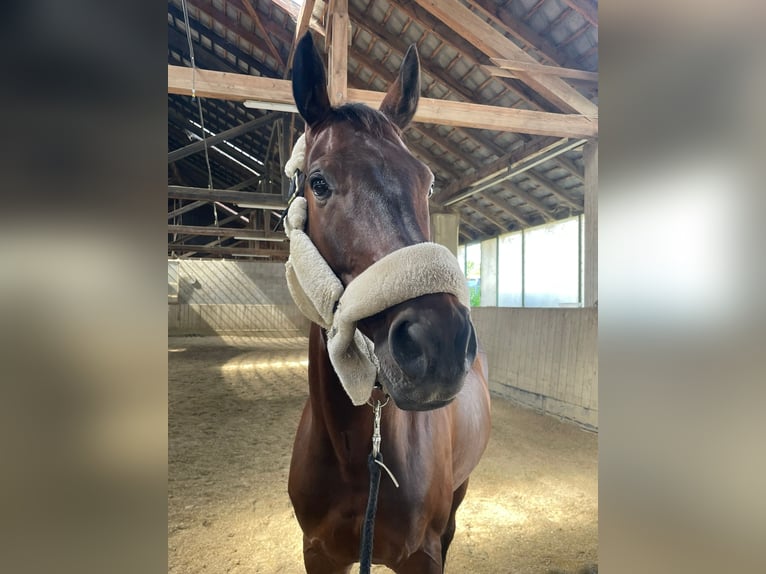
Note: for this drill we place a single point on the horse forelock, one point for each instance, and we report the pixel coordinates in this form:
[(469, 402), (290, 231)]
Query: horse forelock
[(362, 117)]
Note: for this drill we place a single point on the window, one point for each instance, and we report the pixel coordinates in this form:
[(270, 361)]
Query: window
[(552, 265), (473, 272), (537, 267), (510, 275)]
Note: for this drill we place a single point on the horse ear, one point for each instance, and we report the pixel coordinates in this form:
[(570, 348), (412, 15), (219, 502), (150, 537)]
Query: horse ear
[(402, 97), (310, 82)]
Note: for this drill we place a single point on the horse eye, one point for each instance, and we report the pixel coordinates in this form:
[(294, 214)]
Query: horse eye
[(431, 191), (319, 186)]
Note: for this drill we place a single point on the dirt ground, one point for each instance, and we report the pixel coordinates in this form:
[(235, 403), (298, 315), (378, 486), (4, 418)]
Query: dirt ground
[(234, 404)]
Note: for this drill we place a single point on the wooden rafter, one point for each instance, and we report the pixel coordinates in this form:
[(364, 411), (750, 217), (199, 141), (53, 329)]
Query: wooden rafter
[(551, 186), (515, 27), (400, 46), (217, 231), (529, 199), (586, 9), (489, 170), (186, 208), (496, 45), (524, 166), (223, 43), (427, 131), (257, 21), (231, 133), (513, 212), (215, 250), (469, 52), (301, 26), (518, 66), (263, 200), (429, 147), (243, 184), (242, 87), (224, 221), (571, 167)]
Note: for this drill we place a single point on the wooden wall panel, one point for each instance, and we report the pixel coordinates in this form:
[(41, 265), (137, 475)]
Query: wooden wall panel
[(546, 359), (234, 297)]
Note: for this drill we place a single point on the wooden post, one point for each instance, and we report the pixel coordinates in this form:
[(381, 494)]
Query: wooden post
[(590, 262), (285, 149), (444, 230), (337, 87)]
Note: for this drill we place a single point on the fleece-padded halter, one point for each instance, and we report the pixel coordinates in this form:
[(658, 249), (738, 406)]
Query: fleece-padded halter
[(409, 272)]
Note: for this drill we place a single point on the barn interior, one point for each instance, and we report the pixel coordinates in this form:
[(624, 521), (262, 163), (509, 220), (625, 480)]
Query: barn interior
[(508, 123)]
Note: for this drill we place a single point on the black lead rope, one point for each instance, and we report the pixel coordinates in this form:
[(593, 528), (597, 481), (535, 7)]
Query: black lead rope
[(374, 464), (368, 529)]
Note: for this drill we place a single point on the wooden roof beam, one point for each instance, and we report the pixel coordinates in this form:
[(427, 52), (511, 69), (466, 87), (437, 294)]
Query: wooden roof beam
[(518, 66), (217, 118), (186, 208), (223, 85), (244, 183), (301, 26), (381, 71), (229, 134), (472, 54), (223, 221), (496, 45), (262, 200), (216, 231), (257, 21), (400, 46), (524, 34), (215, 250), (215, 14), (495, 169)]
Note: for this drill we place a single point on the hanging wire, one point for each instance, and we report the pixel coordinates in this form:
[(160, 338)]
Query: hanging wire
[(199, 101)]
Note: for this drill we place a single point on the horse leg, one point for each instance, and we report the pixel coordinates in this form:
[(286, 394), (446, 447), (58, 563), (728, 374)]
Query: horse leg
[(317, 562), (457, 498)]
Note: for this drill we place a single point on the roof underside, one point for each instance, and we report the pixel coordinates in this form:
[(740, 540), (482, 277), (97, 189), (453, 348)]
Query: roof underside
[(484, 175)]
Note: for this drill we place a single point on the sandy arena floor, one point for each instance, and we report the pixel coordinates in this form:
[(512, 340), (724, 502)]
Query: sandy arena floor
[(234, 404)]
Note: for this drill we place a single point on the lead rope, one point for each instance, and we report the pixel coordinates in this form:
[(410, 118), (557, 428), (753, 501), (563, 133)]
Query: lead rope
[(374, 464)]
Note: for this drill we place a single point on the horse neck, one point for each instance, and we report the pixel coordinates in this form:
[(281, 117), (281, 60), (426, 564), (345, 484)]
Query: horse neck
[(346, 427)]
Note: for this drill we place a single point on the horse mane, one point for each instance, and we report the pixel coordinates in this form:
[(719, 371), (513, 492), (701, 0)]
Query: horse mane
[(363, 117)]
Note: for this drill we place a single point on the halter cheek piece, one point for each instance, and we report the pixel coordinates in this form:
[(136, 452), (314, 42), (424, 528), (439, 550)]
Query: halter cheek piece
[(409, 272)]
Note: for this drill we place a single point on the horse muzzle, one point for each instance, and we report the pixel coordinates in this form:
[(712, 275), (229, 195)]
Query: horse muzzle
[(426, 351)]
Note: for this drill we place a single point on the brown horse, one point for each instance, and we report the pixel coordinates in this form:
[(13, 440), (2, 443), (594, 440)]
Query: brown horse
[(367, 196)]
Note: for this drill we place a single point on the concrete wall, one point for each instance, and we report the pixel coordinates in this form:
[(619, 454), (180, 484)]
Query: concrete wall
[(233, 298), (546, 359)]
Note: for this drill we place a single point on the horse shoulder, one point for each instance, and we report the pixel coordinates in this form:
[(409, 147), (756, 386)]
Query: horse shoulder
[(471, 421)]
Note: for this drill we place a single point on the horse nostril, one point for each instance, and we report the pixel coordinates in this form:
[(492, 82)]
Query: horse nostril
[(470, 346), (406, 340)]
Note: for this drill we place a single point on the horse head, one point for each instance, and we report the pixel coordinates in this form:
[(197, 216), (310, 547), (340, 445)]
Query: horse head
[(367, 196)]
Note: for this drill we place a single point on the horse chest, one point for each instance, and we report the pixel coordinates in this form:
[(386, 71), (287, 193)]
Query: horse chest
[(404, 518), (330, 499)]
